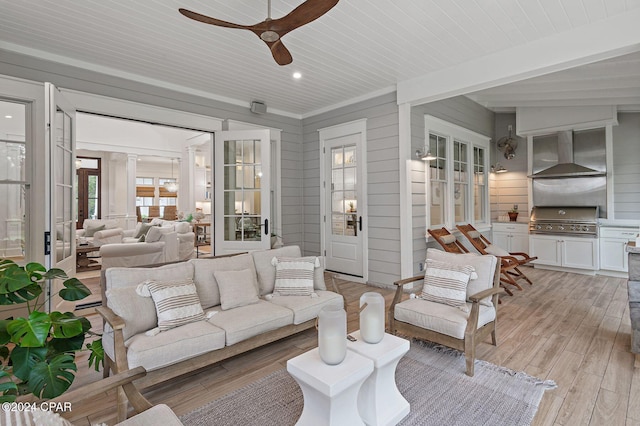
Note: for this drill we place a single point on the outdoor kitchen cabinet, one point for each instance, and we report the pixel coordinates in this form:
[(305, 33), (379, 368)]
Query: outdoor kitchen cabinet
[(613, 247), (513, 237), (565, 251)]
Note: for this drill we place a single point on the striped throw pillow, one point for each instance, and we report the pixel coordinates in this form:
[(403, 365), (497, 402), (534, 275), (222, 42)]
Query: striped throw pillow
[(177, 303), (446, 283), (294, 275)]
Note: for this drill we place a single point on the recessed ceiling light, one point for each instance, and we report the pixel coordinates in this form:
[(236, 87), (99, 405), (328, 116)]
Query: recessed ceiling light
[(8, 116), (297, 75)]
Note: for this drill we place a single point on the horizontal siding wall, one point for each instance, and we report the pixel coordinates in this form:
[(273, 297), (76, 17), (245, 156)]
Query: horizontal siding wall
[(460, 111), (626, 166), (383, 182), (68, 77)]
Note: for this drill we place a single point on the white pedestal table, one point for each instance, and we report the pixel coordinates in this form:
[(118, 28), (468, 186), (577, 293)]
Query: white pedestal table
[(330, 391), (380, 402)]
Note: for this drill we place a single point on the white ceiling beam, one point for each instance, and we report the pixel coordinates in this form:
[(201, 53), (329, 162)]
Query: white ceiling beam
[(601, 40)]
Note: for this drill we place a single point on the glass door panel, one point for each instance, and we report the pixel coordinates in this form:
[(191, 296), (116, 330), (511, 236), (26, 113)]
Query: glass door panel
[(243, 196), (344, 201), (13, 151)]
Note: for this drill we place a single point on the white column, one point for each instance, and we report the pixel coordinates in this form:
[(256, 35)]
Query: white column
[(132, 164), (187, 201)]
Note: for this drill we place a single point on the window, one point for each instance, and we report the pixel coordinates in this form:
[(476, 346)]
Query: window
[(457, 192), (460, 182), (479, 185), (437, 179), (145, 194), (144, 181)]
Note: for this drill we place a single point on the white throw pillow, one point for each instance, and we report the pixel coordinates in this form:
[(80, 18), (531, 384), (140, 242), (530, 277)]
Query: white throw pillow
[(176, 302), (446, 283), (182, 227), (237, 288), (294, 275)]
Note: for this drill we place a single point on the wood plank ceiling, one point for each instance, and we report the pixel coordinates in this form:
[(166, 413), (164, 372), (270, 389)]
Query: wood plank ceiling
[(358, 48)]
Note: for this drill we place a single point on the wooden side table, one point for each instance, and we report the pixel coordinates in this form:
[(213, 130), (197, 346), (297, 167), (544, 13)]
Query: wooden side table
[(330, 391), (380, 402), (83, 263)]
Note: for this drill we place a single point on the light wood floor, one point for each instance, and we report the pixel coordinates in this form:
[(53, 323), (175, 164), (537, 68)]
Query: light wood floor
[(570, 328)]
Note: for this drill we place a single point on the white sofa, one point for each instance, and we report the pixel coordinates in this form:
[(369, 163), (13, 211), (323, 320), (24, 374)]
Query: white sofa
[(129, 343), (184, 231), (111, 233)]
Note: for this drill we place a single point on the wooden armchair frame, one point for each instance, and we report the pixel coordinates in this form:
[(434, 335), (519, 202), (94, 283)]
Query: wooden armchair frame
[(510, 264), (123, 382), (472, 335)]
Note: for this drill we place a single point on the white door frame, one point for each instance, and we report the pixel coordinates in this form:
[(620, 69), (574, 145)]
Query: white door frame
[(327, 133)]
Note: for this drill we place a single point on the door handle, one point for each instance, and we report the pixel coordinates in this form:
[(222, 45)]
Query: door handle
[(359, 223), (266, 227)]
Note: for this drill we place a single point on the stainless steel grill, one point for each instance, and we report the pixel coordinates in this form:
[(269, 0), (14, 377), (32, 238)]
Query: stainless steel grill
[(581, 221)]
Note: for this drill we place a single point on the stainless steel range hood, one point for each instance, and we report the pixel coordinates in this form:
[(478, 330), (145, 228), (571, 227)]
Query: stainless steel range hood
[(566, 167)]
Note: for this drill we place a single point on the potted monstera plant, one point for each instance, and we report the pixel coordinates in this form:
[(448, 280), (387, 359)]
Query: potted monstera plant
[(37, 352)]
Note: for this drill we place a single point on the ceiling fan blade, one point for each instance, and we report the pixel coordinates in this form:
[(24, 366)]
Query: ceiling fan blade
[(213, 21), (307, 12), (280, 53)]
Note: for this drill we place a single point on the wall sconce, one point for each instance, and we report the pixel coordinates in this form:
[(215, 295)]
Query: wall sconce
[(425, 156)]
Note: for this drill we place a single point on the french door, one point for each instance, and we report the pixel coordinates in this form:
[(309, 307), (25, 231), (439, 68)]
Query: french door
[(60, 233), (344, 204), (242, 191)]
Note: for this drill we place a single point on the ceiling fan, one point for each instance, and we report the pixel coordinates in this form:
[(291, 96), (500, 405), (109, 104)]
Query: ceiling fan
[(270, 30)]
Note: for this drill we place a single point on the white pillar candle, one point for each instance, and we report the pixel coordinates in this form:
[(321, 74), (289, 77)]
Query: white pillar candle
[(372, 317), (332, 334)]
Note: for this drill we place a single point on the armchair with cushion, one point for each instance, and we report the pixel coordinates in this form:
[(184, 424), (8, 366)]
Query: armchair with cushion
[(448, 311), (160, 246)]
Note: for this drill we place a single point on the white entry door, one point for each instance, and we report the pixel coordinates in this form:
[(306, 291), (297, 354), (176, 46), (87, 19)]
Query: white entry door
[(344, 199), (242, 191), (60, 143)]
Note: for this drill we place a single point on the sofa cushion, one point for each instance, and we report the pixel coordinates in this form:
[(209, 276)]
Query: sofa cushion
[(174, 345), (294, 275), (206, 282), (89, 232), (247, 321), (237, 288), (182, 227), (176, 302), (438, 317), (138, 313), (485, 268), (446, 283), (305, 308), (126, 277), (92, 223), (267, 272)]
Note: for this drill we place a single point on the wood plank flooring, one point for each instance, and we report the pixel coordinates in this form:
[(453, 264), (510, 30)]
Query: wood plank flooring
[(573, 329)]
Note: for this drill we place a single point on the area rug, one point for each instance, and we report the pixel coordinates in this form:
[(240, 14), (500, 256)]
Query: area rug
[(430, 377)]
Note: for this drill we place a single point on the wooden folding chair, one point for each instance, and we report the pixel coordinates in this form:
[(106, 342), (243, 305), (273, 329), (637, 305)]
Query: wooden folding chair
[(510, 262), (450, 244), (447, 240)]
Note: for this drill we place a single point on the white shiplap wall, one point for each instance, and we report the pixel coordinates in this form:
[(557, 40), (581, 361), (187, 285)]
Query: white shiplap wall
[(460, 111), (383, 187), (626, 166)]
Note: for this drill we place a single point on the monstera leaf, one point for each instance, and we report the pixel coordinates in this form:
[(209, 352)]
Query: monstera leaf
[(24, 359), (74, 290), (30, 332), (51, 379), (96, 358), (8, 389)]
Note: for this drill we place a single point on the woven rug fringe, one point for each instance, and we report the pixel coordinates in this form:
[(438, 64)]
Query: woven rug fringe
[(547, 384)]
